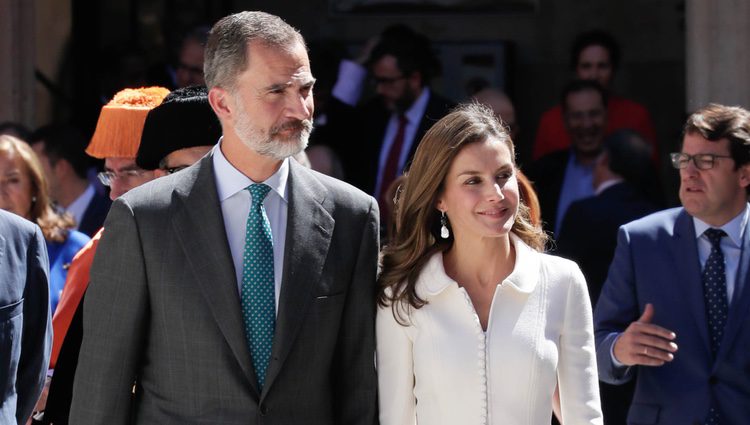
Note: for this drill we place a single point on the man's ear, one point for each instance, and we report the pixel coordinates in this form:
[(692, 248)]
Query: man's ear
[(744, 172), (221, 103)]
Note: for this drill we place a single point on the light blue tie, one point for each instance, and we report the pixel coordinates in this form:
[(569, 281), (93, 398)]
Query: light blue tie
[(258, 305)]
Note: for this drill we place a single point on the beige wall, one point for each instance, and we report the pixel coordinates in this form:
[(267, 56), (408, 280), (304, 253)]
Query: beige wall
[(17, 64)]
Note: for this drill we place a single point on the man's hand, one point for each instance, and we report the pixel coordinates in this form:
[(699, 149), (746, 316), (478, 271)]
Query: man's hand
[(644, 343)]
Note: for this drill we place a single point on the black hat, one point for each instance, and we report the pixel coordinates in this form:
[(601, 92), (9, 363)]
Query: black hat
[(183, 120)]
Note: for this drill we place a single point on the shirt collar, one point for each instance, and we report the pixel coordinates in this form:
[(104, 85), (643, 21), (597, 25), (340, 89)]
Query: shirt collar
[(735, 228), (433, 280), (606, 185), (230, 180), (416, 111)]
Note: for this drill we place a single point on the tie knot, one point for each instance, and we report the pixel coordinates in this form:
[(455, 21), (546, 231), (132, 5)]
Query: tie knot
[(258, 192), (714, 236)]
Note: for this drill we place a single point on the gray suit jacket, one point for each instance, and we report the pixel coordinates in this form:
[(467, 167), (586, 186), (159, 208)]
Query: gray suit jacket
[(25, 326), (163, 311)]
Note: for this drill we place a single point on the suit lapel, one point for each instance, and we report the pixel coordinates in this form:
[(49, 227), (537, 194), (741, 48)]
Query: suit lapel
[(199, 224), (738, 308), (308, 236), (688, 272)]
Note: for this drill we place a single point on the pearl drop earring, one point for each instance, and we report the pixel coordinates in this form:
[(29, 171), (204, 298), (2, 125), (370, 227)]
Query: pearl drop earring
[(444, 232)]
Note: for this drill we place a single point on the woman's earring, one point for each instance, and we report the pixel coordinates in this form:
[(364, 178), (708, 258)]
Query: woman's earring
[(444, 232)]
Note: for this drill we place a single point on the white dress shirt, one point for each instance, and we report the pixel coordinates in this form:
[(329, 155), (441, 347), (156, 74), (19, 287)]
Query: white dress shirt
[(444, 369), (231, 186), (78, 207)]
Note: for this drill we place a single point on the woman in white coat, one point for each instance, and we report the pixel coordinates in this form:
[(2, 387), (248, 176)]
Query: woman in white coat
[(475, 324)]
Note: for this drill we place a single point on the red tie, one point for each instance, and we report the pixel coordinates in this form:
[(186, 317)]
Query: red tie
[(391, 164)]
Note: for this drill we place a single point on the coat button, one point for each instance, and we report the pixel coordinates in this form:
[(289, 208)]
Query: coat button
[(263, 410)]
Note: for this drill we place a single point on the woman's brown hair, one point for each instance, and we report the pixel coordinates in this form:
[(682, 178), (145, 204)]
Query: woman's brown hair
[(55, 227), (417, 220)]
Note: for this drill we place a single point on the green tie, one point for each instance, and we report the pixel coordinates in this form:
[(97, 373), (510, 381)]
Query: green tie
[(258, 305)]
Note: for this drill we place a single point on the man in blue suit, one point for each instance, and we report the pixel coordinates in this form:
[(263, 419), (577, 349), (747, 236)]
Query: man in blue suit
[(25, 327), (680, 278)]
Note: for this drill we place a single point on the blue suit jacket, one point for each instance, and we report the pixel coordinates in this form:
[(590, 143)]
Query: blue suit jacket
[(25, 326), (656, 261)]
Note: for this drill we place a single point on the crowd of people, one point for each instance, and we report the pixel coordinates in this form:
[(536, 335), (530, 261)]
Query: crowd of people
[(209, 274)]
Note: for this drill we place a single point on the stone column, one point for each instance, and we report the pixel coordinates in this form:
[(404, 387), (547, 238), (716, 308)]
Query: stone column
[(717, 60), (17, 61)]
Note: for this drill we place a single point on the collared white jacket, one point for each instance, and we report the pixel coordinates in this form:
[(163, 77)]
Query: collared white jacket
[(444, 369)]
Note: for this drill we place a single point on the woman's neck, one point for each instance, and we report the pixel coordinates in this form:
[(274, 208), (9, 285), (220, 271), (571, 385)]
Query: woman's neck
[(483, 262)]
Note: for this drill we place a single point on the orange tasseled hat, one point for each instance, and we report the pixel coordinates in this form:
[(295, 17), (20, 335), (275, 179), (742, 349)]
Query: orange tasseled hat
[(118, 132)]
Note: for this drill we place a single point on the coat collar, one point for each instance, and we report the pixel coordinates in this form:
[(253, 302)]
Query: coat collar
[(523, 279)]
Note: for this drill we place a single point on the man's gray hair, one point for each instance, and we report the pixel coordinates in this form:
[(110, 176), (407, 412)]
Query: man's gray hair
[(226, 49)]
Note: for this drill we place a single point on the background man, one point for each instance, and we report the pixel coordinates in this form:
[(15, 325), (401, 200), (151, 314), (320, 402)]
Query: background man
[(565, 176), (680, 277), (230, 292), (61, 150), (377, 140), (595, 56), (25, 329)]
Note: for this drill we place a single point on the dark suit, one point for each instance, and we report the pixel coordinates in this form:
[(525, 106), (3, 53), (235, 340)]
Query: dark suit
[(547, 175), (656, 261), (25, 326), (588, 236), (163, 310), (96, 212), (356, 134)]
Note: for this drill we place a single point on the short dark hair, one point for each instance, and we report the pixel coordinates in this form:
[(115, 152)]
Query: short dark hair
[(412, 51), (629, 155), (577, 86), (63, 141), (715, 122), (15, 129), (595, 38)]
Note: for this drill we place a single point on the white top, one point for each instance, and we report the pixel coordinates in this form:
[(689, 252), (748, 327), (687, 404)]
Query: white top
[(235, 200), (78, 207), (443, 369)]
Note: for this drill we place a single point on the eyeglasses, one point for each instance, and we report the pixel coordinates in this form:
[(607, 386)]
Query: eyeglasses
[(107, 177), (702, 161), (376, 81), (172, 170)]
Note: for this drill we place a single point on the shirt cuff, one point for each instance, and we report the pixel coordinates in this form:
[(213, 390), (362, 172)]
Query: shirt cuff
[(612, 353), (348, 87)]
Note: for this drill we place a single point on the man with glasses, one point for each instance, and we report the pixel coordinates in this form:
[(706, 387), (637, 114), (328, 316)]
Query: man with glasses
[(178, 132), (680, 278), (376, 140)]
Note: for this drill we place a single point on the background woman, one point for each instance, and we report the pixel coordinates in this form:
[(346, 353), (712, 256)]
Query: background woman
[(24, 191), (475, 325)]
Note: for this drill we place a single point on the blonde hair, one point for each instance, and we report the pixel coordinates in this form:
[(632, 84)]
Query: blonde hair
[(416, 237), (55, 227)]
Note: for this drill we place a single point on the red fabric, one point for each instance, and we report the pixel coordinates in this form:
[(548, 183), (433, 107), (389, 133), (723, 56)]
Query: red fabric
[(551, 135), (391, 164), (75, 285)]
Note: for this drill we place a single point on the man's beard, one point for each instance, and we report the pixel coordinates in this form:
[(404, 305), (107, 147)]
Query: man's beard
[(274, 144)]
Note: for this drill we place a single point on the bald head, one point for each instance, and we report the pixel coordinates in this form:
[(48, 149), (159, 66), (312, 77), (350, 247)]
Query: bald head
[(501, 105)]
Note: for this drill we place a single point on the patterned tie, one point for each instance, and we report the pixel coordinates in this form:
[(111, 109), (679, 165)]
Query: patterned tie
[(258, 305), (715, 295)]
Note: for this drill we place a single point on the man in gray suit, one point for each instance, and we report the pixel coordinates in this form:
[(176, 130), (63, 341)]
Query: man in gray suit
[(25, 326), (240, 290)]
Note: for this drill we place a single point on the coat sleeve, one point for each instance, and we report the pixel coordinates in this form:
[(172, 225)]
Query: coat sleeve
[(616, 309), (577, 375), (115, 315), (36, 342), (356, 381), (395, 371)]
